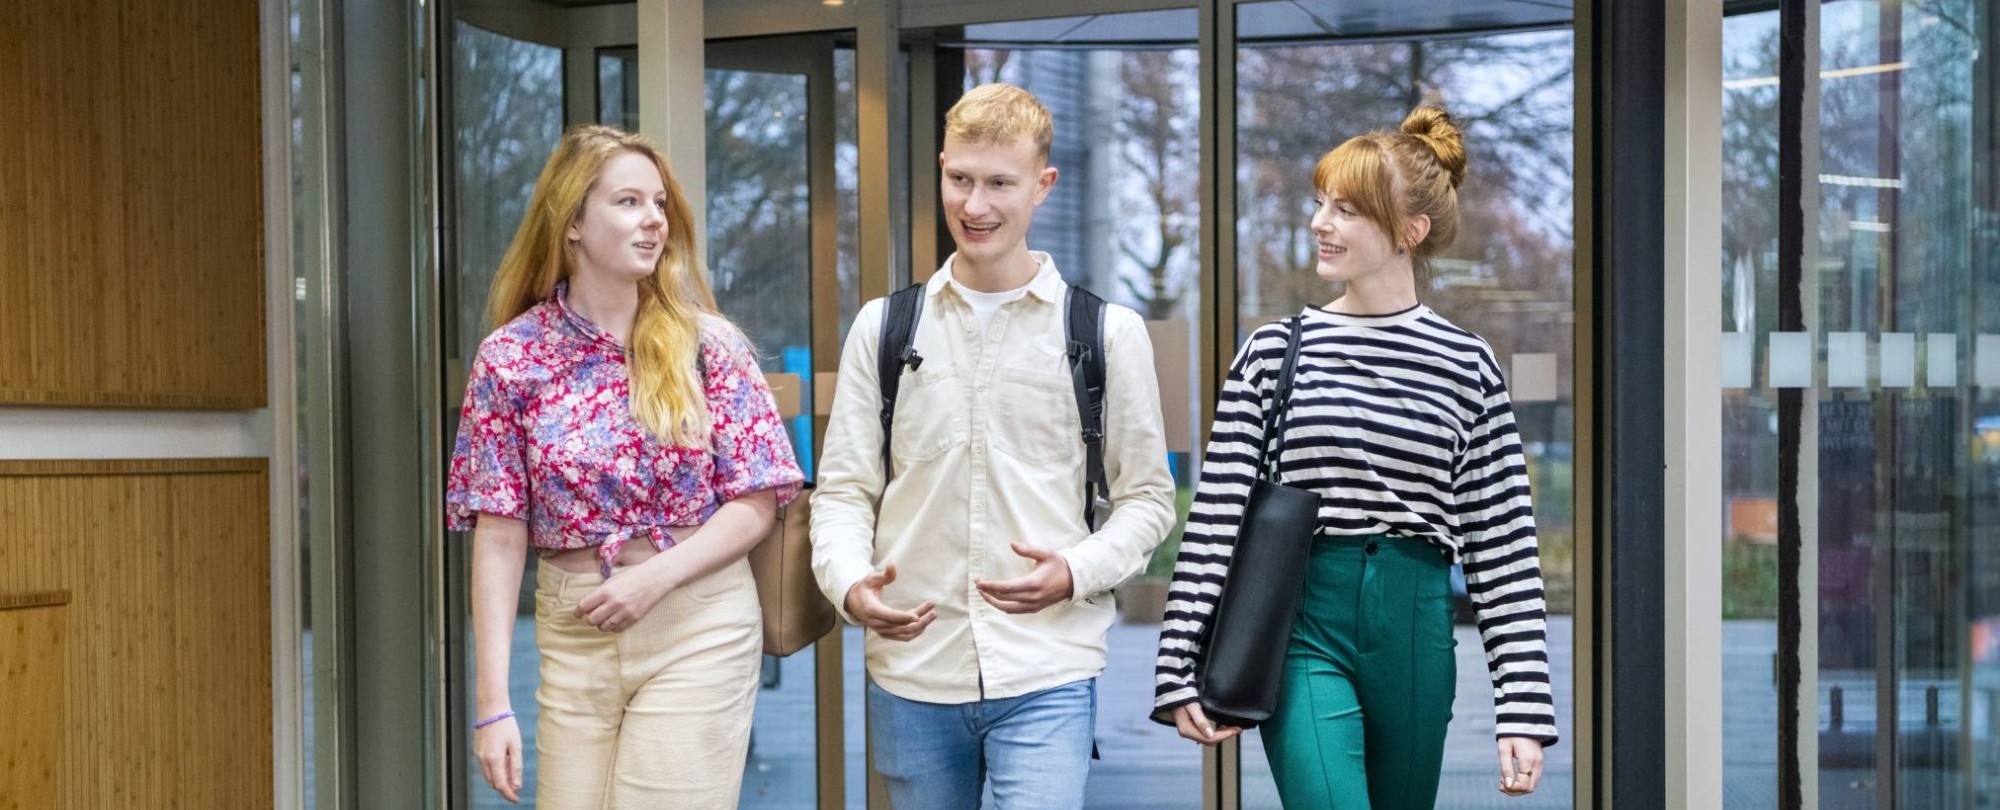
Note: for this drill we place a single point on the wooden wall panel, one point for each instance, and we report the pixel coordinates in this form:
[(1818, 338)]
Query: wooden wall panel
[(169, 653), (131, 210), (32, 665)]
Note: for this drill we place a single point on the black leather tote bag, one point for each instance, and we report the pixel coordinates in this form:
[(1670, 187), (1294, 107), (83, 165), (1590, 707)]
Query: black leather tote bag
[(1243, 660)]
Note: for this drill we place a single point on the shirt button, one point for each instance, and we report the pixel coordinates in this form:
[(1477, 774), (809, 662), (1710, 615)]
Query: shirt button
[(982, 387)]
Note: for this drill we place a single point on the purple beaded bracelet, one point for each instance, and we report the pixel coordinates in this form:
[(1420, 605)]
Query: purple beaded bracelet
[(491, 720)]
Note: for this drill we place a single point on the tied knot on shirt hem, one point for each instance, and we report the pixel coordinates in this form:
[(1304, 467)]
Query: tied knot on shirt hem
[(607, 551)]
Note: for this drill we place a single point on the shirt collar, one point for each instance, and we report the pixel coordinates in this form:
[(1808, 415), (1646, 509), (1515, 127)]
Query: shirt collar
[(1047, 284), (582, 325)]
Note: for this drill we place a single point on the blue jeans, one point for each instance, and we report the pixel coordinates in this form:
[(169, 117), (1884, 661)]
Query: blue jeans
[(936, 756)]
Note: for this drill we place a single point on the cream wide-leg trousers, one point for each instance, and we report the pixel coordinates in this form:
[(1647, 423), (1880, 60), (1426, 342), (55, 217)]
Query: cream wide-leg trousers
[(656, 716)]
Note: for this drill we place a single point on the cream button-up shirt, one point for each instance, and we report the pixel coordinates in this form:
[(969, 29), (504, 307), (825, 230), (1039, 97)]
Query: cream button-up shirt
[(988, 450)]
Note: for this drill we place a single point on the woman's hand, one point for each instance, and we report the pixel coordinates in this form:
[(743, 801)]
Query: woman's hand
[(626, 597), (1520, 765), (1195, 725), (498, 748)]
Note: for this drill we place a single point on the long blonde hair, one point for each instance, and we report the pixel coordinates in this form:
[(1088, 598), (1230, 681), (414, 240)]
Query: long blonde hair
[(667, 395)]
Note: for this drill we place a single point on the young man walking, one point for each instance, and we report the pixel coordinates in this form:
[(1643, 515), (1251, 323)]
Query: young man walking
[(953, 525)]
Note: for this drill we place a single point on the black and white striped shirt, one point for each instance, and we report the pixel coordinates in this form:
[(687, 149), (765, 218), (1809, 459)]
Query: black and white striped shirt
[(1403, 425)]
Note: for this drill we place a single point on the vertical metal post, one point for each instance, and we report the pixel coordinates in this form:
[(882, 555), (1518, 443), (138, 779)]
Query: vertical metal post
[(1798, 408), (1691, 415), (875, 51), (822, 133), (1221, 773)]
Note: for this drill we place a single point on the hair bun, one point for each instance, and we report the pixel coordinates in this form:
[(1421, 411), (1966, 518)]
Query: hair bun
[(1434, 127)]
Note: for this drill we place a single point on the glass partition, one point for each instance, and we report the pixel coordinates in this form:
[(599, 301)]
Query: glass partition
[(1861, 421), (764, 153), (1749, 412), (1905, 362), (507, 116)]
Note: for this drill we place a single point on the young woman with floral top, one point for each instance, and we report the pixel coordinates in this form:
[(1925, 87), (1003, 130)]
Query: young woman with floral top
[(619, 425)]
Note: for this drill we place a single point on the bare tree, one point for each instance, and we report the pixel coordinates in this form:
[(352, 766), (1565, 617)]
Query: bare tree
[(508, 106), (1159, 145), (759, 204)]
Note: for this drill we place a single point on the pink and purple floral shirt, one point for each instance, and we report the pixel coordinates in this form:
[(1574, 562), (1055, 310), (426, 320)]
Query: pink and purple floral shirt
[(546, 436)]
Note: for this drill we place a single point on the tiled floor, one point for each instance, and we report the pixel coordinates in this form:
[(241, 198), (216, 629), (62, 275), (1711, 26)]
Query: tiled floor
[(1145, 765)]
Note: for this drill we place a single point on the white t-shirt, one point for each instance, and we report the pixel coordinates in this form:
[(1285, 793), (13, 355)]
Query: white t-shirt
[(984, 304)]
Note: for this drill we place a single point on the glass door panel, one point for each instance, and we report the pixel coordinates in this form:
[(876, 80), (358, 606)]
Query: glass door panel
[(761, 150), (1908, 513), (772, 270), (1750, 460), (781, 180), (507, 115)]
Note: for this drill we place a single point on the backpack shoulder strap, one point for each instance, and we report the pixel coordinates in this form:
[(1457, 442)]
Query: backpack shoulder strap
[(1083, 336), (896, 352)]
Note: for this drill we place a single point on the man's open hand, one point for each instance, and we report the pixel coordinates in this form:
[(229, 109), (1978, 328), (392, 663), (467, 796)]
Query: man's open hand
[(864, 603), (1047, 584)]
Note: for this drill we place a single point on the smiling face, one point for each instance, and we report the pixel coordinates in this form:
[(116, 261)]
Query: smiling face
[(621, 229), (990, 190), (1351, 245)]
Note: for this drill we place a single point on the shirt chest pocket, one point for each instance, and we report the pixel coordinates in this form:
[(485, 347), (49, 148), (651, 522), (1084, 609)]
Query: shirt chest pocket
[(930, 414), (1034, 416)]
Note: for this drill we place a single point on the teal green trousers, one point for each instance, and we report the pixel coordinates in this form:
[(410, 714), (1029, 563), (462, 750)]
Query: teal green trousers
[(1369, 678)]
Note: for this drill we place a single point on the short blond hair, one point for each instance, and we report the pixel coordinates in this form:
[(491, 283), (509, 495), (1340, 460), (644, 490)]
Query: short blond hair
[(993, 113)]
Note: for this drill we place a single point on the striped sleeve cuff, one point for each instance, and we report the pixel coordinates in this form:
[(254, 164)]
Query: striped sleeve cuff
[(1542, 730), (1167, 700)]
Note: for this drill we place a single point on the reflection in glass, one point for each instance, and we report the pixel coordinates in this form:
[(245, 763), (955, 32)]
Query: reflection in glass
[(847, 177), (759, 241), (1749, 411), (306, 81), (1124, 221), (1895, 433), (618, 88), (507, 115), (1906, 500), (1508, 279)]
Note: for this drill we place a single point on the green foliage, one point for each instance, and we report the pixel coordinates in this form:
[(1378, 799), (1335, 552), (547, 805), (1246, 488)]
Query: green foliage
[(1161, 566), (1557, 548), (1749, 579)]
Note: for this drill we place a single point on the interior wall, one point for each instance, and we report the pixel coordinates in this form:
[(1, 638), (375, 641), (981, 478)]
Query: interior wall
[(152, 683), (132, 241), (139, 405)]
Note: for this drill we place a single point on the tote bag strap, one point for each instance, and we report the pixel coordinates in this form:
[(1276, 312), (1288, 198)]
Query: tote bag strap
[(1281, 403)]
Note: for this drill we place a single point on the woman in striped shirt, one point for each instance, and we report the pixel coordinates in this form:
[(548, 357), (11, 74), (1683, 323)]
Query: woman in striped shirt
[(1401, 421)]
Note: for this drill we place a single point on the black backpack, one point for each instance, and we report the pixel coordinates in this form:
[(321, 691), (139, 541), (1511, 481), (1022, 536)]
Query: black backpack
[(1083, 334)]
